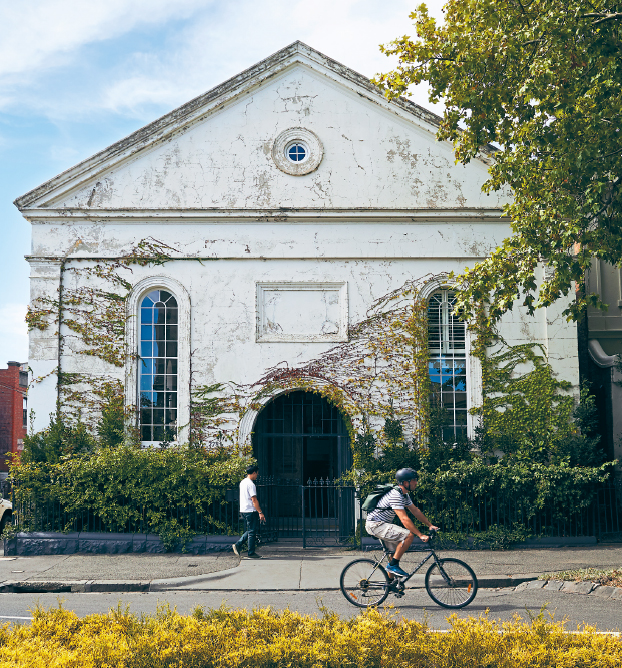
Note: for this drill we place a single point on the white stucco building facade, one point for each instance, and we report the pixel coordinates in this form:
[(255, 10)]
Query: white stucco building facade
[(292, 196)]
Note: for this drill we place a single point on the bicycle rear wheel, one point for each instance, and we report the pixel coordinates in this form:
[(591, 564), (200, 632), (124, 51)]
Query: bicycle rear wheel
[(364, 583), (451, 583)]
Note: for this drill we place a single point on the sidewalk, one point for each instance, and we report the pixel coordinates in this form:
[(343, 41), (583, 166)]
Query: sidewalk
[(283, 569)]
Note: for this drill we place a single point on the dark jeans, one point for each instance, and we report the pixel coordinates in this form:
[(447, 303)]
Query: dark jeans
[(252, 527)]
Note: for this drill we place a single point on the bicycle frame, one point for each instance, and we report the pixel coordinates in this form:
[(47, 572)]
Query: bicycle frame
[(429, 549)]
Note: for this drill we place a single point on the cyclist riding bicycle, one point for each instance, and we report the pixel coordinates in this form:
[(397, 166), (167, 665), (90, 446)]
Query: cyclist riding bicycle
[(397, 502)]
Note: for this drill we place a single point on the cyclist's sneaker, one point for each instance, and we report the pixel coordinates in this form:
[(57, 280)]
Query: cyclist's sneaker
[(396, 570)]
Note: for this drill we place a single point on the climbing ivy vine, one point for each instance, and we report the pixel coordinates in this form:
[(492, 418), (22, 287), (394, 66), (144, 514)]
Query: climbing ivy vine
[(378, 378), (526, 410), (89, 313), (380, 370)]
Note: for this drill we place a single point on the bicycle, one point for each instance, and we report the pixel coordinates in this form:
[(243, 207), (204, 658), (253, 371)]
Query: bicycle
[(449, 582)]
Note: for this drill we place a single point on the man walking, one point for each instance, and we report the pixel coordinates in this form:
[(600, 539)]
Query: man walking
[(397, 502), (250, 511)]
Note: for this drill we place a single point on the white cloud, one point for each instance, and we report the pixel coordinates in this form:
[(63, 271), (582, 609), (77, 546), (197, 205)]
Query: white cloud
[(39, 34), (222, 38), (210, 50), (13, 333)]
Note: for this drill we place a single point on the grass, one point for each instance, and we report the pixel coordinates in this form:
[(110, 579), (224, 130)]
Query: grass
[(611, 577)]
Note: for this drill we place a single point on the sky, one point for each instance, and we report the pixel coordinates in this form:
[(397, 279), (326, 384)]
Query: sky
[(77, 76)]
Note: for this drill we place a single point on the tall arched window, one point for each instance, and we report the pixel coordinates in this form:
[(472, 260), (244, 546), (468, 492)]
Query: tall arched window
[(448, 370), (157, 367)]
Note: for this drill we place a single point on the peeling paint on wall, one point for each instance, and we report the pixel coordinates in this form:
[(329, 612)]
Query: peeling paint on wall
[(387, 204)]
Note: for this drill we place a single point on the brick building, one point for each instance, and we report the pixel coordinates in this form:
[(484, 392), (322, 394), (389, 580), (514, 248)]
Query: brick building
[(13, 389)]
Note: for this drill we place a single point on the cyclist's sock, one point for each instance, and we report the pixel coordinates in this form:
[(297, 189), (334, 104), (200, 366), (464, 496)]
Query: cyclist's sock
[(394, 562)]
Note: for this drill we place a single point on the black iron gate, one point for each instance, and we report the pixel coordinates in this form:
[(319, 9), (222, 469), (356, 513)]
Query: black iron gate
[(322, 512), (302, 445), (328, 513)]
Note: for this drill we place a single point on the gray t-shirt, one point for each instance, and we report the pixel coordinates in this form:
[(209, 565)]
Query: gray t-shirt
[(385, 510)]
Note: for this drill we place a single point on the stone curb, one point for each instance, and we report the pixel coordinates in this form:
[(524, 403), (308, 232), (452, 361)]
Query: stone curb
[(73, 586), (518, 583), (503, 582), (568, 587), (172, 584)]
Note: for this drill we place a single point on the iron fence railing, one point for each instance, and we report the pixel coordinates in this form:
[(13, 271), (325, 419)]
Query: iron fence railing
[(321, 512), (328, 512), (218, 517), (465, 511), (5, 489)]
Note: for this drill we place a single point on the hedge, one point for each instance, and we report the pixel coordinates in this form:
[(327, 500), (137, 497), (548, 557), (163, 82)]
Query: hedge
[(522, 490), (160, 489), (269, 639), (128, 486)]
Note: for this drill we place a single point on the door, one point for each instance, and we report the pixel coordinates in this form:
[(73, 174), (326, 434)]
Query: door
[(299, 437)]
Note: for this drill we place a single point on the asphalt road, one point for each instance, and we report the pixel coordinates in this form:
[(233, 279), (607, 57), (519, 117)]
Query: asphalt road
[(502, 604)]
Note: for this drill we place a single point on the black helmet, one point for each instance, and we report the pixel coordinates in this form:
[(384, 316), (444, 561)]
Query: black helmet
[(404, 475)]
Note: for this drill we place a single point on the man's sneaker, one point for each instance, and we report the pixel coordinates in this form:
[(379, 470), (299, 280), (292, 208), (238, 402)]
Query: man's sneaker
[(396, 570), (254, 556), (234, 547)]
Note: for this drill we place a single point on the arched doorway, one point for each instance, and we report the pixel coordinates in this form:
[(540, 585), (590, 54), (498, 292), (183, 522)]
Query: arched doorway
[(299, 440), (299, 436)]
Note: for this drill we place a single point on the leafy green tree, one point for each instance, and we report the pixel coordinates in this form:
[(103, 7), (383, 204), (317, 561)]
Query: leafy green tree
[(542, 80)]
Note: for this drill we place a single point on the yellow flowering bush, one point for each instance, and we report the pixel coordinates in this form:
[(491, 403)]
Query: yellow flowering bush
[(266, 638)]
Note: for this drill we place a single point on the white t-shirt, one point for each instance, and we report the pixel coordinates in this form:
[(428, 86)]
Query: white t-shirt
[(247, 491)]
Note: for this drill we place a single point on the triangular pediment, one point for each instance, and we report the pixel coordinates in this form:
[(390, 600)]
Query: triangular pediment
[(217, 152)]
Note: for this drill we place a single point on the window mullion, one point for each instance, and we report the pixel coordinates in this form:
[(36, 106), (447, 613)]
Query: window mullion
[(445, 324)]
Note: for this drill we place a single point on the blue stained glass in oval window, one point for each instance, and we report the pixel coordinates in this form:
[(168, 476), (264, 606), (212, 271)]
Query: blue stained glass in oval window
[(297, 152)]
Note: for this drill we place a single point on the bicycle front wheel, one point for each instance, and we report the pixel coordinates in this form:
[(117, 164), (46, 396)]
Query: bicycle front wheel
[(451, 583), (364, 583)]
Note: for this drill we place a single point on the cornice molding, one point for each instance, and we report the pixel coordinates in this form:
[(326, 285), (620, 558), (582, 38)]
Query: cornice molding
[(288, 216)]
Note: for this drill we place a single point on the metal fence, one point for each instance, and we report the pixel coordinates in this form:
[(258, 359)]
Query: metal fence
[(321, 512), (324, 512), (219, 517), (465, 511)]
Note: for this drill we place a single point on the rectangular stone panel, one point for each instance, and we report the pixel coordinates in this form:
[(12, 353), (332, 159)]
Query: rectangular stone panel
[(302, 312)]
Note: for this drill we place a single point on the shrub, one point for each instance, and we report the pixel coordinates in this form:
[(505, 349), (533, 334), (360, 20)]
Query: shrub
[(132, 489), (59, 440), (266, 638), (471, 494)]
